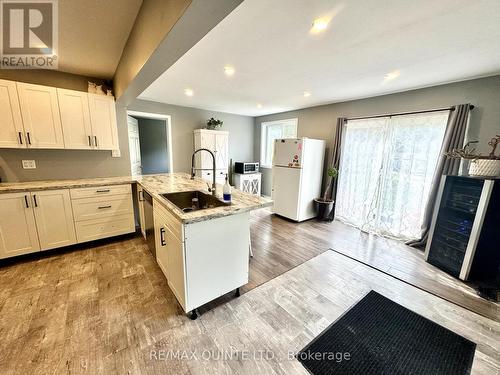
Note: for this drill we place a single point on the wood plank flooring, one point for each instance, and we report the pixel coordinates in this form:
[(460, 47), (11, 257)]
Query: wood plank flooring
[(280, 245), (108, 310)]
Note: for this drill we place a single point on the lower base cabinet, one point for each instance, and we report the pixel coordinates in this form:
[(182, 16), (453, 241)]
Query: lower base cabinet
[(205, 260), (54, 218), (18, 234), (49, 219)]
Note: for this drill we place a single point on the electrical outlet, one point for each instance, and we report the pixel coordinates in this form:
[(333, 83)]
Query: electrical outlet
[(29, 164), (116, 153)]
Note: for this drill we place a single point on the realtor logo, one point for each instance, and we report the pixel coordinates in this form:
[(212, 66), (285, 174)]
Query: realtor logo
[(29, 34)]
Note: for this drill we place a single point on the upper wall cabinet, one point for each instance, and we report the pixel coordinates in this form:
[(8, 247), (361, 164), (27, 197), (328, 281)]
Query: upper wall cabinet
[(40, 113), (11, 130), (103, 119), (75, 119), (35, 116)]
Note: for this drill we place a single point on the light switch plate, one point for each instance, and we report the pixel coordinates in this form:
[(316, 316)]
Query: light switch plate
[(29, 164)]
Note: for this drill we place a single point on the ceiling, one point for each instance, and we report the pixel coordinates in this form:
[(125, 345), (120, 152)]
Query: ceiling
[(92, 34), (276, 57)]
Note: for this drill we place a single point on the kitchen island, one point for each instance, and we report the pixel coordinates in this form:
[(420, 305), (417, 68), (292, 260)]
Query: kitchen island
[(203, 253)]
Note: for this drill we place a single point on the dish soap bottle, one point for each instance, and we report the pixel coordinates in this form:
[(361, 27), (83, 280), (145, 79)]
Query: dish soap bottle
[(226, 191)]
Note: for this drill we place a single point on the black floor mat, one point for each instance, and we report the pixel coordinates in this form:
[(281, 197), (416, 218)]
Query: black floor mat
[(378, 336)]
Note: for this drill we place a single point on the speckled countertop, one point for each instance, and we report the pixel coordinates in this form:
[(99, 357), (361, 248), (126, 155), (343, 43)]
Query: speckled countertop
[(156, 185)]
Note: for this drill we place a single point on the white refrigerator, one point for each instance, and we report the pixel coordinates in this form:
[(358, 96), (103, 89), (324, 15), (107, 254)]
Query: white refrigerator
[(297, 176)]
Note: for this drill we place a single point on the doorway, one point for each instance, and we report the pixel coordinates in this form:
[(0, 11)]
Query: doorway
[(150, 143)]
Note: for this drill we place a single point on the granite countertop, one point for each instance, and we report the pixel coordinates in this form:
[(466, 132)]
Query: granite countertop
[(156, 185), (175, 182)]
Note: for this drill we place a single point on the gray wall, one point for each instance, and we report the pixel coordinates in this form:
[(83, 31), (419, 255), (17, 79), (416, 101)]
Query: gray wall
[(185, 120), (153, 141), (319, 122)]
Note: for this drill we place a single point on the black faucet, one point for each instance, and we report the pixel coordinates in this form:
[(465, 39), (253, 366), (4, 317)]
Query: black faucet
[(193, 169)]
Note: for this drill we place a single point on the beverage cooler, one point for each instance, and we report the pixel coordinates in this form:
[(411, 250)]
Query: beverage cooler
[(464, 238)]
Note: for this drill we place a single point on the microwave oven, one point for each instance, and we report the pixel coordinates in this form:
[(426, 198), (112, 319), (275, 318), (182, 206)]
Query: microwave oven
[(244, 167)]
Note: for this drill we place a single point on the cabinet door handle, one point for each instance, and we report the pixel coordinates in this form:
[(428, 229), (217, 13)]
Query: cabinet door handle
[(141, 196), (34, 200), (26, 201), (29, 138), (162, 240), (20, 137), (95, 139), (103, 207), (103, 191), (90, 141)]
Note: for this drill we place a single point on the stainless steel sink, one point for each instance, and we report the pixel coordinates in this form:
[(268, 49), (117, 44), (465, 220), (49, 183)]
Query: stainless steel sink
[(184, 200)]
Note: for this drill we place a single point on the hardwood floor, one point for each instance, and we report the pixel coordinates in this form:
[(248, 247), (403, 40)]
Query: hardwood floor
[(280, 245), (108, 310)]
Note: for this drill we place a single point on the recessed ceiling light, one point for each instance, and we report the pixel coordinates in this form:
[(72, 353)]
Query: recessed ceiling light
[(229, 70), (319, 25), (188, 92), (259, 105), (392, 75), (307, 94)]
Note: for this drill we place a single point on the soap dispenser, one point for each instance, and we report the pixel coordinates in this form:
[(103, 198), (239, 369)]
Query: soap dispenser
[(226, 191)]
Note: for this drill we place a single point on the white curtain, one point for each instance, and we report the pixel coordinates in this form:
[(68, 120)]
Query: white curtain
[(386, 172)]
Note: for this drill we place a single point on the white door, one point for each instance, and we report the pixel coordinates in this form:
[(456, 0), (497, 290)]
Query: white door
[(75, 119), (18, 233), (134, 146), (54, 218), (103, 119), (222, 151), (286, 192), (40, 113), (175, 251), (11, 129), (161, 244), (288, 152)]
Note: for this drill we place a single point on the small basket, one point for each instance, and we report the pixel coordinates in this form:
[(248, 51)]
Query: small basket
[(484, 168)]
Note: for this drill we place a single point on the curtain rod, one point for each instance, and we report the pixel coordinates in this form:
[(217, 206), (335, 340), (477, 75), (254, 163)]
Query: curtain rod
[(405, 113)]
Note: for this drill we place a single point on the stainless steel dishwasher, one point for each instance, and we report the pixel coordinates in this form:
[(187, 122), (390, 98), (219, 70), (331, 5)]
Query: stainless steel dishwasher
[(149, 222)]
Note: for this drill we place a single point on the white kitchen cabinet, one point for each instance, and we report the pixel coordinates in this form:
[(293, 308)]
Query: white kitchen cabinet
[(140, 204), (248, 182), (216, 141), (18, 233), (75, 119), (160, 243), (11, 129), (103, 120), (54, 218), (176, 266), (102, 211), (40, 114)]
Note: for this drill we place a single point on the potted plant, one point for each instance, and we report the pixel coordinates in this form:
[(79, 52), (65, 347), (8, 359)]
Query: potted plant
[(324, 205), (214, 124), (480, 165)]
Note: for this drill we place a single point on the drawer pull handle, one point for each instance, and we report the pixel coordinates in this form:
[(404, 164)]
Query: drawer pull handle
[(162, 240), (103, 191), (103, 207)]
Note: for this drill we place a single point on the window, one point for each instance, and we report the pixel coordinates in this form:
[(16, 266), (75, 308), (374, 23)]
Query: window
[(386, 170), (275, 130)]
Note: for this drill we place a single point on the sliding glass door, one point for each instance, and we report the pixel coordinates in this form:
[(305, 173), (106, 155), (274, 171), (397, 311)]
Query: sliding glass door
[(386, 170)]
